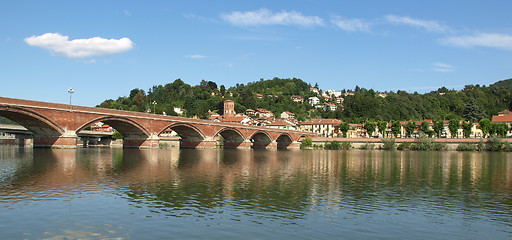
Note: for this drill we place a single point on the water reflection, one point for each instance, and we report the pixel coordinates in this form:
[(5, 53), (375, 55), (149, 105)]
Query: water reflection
[(285, 187)]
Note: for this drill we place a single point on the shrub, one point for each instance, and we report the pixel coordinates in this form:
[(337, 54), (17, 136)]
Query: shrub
[(306, 142), (481, 145), (117, 135), (368, 146), (346, 145), (494, 144), (388, 144), (467, 147), (507, 146), (333, 145), (404, 146), (428, 144)]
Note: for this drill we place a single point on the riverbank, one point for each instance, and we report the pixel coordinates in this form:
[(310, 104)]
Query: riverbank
[(450, 144)]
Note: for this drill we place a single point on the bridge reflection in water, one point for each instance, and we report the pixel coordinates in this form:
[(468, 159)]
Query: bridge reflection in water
[(311, 193)]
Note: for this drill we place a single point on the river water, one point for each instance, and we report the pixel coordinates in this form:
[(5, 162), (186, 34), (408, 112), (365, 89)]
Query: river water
[(246, 194)]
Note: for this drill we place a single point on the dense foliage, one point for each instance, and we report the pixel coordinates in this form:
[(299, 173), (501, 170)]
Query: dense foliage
[(472, 103)]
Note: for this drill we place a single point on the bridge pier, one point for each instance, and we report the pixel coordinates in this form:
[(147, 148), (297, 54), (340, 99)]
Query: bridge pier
[(66, 140), (198, 144), (294, 145), (246, 144)]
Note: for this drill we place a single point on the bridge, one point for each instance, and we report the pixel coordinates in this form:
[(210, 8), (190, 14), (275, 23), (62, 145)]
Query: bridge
[(55, 125)]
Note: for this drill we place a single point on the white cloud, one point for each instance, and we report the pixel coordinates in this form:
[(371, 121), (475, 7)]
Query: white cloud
[(266, 17), (61, 46), (492, 40), (127, 13), (351, 25), (195, 56), (428, 25), (442, 67)]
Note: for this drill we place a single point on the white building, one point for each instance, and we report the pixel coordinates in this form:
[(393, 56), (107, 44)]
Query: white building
[(314, 101)]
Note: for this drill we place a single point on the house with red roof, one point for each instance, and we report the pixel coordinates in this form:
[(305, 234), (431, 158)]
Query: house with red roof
[(283, 124), (324, 127)]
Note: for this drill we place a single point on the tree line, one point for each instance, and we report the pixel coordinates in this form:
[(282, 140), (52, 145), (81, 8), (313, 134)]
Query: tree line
[(473, 103)]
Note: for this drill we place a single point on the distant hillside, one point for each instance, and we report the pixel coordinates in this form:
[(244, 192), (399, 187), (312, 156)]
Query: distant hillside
[(507, 84), (471, 103)]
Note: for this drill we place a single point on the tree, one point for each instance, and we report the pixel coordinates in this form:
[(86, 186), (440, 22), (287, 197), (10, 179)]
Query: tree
[(370, 128), (344, 127), (424, 127), (382, 128), (409, 128), (472, 112), (453, 126), (485, 126), (502, 129), (438, 127), (117, 135), (395, 127), (466, 128)]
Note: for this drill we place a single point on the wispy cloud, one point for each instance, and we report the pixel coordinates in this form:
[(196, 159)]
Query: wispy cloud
[(266, 17), (61, 46), (428, 25), (195, 56), (442, 67), (127, 13), (351, 25), (491, 40)]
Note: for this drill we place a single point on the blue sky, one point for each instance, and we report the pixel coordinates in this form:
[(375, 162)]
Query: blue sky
[(103, 49)]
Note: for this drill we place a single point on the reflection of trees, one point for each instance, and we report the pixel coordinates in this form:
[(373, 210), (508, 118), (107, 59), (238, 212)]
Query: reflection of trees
[(269, 184)]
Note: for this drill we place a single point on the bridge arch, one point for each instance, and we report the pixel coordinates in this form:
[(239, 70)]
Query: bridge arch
[(261, 139), (233, 138), (284, 140), (191, 136), (127, 127), (38, 124)]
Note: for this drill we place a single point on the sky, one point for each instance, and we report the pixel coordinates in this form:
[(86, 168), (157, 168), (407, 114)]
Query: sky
[(103, 49)]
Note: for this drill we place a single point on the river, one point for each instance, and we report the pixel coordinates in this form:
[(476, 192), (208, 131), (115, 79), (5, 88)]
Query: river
[(247, 194)]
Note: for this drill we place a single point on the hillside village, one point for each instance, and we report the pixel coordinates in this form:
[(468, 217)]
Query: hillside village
[(330, 128), (296, 105)]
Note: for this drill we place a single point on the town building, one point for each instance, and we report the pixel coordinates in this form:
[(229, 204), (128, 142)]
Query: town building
[(334, 93), (298, 99), (264, 113), (250, 112), (283, 124), (330, 107), (323, 127), (229, 108), (314, 101), (287, 115)]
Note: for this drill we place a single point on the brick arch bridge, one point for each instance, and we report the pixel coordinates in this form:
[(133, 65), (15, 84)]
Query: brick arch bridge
[(56, 125)]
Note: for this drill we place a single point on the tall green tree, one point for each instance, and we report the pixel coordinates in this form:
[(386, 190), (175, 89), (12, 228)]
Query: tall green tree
[(453, 126), (485, 126), (438, 127), (382, 125), (344, 127), (502, 129), (473, 112), (396, 127), (409, 128), (466, 128), (370, 128)]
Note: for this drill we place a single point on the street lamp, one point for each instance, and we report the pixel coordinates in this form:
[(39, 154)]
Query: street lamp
[(70, 91), (154, 107)]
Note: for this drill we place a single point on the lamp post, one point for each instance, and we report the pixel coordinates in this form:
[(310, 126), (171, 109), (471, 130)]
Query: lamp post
[(154, 107), (70, 91)]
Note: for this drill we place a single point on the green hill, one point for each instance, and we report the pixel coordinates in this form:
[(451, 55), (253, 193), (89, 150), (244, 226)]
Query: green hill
[(473, 102)]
